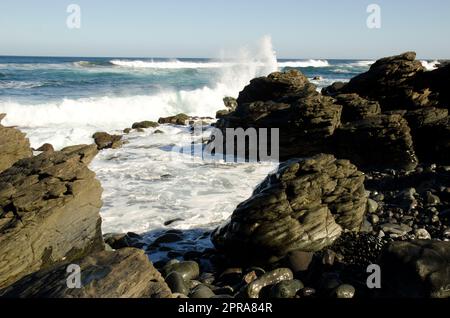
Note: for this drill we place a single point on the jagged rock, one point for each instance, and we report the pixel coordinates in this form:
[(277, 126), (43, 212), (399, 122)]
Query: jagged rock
[(13, 146), (46, 148), (2, 115), (144, 125), (382, 141), (180, 119), (356, 107), (126, 273), (437, 83), (303, 206), (390, 81), (104, 140), (286, 101), (49, 212), (416, 269)]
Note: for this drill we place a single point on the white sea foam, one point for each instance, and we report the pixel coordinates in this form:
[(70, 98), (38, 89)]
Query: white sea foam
[(309, 63), (19, 84), (430, 66), (173, 64)]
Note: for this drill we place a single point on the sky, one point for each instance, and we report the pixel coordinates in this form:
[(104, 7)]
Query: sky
[(202, 28)]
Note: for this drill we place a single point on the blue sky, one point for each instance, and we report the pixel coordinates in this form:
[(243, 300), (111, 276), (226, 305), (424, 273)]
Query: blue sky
[(201, 28)]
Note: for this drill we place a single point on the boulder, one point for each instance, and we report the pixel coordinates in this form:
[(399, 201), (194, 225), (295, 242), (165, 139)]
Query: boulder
[(180, 119), (145, 124), (46, 148), (391, 82), (104, 140), (416, 269), (377, 142), (303, 206), (286, 101), (126, 273), (49, 212), (13, 146)]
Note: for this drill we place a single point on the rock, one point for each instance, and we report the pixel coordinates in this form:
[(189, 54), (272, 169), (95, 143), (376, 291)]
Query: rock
[(286, 289), (13, 146), (433, 141), (127, 130), (126, 273), (328, 257), (432, 199), (49, 212), (374, 219), (46, 148), (188, 269), (104, 140), (177, 284), (306, 292), (202, 291), (303, 206), (345, 291), (334, 89), (144, 125), (286, 101), (422, 234), (180, 119), (416, 269), (299, 261), (356, 108), (168, 238), (231, 276), (390, 81), (157, 131), (230, 103), (281, 274), (2, 116), (383, 141), (372, 206), (396, 229), (118, 241)]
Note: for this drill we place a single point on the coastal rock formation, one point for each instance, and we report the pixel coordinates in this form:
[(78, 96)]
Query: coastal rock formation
[(390, 81), (286, 101), (356, 107), (13, 146), (303, 206), (144, 125), (180, 119), (104, 140), (416, 269), (376, 142), (49, 212), (125, 273)]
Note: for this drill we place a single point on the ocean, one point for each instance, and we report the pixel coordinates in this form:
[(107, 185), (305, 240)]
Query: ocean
[(64, 100)]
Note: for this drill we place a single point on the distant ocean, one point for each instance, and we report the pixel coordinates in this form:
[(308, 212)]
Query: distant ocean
[(63, 101)]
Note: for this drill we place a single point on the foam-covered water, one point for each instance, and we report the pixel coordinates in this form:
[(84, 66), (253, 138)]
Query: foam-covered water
[(63, 101)]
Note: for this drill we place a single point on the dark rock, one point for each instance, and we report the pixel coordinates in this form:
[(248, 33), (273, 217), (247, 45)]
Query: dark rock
[(396, 229), (180, 119), (167, 223), (356, 107), (201, 291), (118, 241), (345, 291), (144, 125), (281, 274), (231, 276), (104, 140), (168, 238), (177, 284), (188, 269), (127, 130), (46, 148), (299, 261), (416, 269), (306, 292), (328, 257), (382, 141), (286, 289), (13, 146), (49, 212), (125, 273), (157, 131), (303, 206)]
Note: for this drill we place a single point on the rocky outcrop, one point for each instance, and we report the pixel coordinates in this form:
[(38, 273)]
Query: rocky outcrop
[(286, 101), (377, 142), (416, 269), (303, 206), (390, 81), (104, 140), (49, 212), (13, 146), (145, 124), (180, 119), (356, 107), (125, 273)]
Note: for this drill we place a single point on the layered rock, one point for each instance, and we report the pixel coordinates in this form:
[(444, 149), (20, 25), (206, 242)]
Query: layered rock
[(356, 107), (391, 82), (179, 119), (377, 142), (49, 212), (416, 269), (286, 101), (13, 146), (303, 206), (125, 273)]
